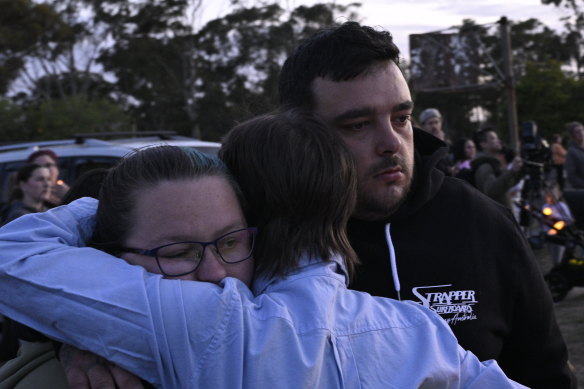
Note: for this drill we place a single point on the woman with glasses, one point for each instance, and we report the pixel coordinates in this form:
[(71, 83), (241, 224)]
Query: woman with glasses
[(301, 328)]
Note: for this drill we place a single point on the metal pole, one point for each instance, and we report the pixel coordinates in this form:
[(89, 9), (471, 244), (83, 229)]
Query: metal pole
[(509, 83)]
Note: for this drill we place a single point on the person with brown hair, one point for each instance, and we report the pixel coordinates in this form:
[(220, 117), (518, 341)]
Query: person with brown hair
[(48, 158), (32, 189)]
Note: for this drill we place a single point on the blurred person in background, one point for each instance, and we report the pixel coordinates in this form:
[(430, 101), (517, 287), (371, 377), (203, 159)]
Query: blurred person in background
[(47, 158), (463, 152), (491, 175), (575, 158), (32, 190), (35, 365), (558, 158), (555, 210), (431, 122)]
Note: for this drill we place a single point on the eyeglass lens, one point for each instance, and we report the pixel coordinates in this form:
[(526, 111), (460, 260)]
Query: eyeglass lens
[(184, 257)]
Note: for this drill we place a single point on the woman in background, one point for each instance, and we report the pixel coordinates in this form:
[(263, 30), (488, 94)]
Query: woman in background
[(463, 152), (47, 158), (32, 189)]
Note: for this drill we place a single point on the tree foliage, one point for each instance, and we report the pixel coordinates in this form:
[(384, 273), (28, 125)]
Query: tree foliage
[(85, 65), (544, 94), (148, 57), (574, 24), (76, 114), (28, 29), (543, 87)]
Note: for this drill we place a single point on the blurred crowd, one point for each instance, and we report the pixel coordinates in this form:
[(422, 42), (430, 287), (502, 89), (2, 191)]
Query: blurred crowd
[(547, 175)]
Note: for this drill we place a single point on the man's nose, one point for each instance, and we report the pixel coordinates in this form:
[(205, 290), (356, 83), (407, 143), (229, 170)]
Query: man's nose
[(388, 141)]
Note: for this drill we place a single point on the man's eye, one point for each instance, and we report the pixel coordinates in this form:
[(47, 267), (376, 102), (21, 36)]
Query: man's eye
[(402, 120), (357, 126)]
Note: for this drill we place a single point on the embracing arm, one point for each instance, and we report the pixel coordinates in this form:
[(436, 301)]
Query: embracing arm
[(97, 302)]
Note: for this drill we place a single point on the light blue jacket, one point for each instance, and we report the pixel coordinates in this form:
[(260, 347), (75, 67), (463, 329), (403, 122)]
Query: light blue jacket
[(304, 331)]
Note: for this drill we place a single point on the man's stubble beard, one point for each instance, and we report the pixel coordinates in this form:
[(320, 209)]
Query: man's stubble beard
[(371, 208)]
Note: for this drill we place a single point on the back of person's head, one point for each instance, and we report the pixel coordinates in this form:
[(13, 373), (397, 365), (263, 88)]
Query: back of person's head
[(339, 53), (22, 175), (40, 153), (86, 185), (139, 172), (300, 184)]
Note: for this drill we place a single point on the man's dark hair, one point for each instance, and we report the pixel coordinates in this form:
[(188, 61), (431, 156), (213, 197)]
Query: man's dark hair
[(300, 182), (480, 136), (339, 53)]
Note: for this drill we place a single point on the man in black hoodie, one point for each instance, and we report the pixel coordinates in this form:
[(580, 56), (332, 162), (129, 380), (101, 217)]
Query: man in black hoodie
[(422, 236)]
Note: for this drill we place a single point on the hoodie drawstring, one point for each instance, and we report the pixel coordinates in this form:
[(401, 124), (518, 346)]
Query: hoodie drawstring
[(393, 262)]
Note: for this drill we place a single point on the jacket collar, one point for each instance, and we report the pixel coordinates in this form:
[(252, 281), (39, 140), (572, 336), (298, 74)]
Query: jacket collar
[(308, 267)]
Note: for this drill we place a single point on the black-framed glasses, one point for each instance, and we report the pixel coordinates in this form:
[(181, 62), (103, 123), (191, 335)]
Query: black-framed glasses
[(181, 258)]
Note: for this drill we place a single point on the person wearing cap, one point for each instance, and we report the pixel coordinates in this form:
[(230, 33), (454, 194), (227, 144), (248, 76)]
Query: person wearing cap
[(431, 122)]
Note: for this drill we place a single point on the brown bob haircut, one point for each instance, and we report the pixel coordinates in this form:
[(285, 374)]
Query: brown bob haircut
[(300, 184)]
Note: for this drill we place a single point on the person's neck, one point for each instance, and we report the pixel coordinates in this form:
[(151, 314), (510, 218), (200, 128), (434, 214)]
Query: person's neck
[(31, 203)]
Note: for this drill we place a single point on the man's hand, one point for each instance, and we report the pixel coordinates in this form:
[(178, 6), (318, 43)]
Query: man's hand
[(89, 371)]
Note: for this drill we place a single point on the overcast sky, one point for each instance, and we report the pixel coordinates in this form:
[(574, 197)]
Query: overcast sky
[(405, 17)]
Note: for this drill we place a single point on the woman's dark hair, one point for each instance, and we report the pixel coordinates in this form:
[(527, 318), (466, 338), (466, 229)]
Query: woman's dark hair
[(39, 153), (458, 149), (339, 53), (22, 175), (139, 172), (300, 183)]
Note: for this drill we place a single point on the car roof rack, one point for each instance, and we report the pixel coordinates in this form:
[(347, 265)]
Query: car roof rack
[(163, 135)]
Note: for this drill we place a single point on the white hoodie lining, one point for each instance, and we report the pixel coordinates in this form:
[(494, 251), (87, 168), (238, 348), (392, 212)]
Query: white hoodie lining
[(392, 260)]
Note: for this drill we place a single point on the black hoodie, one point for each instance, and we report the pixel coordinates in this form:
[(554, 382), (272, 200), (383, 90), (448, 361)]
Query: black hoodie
[(463, 255)]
